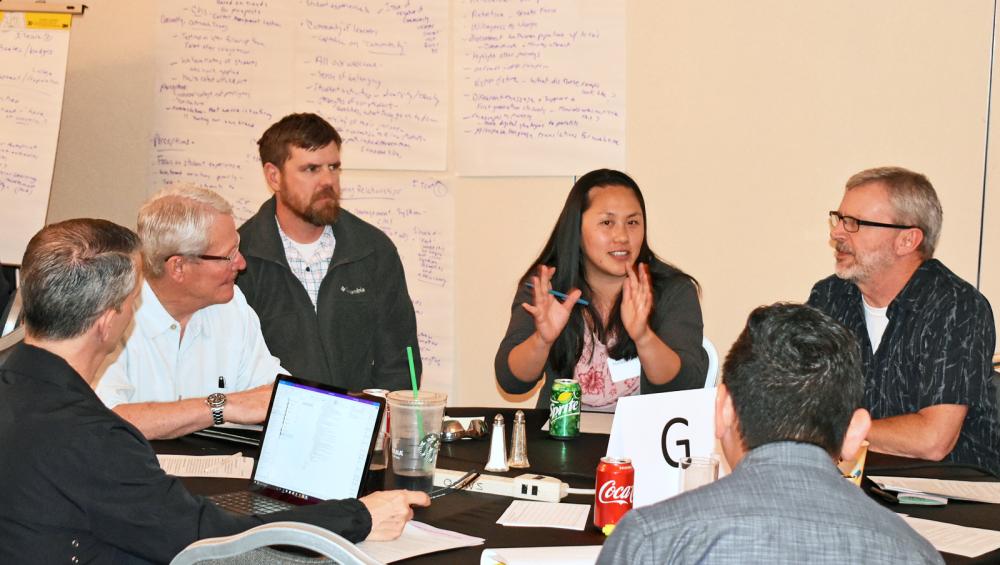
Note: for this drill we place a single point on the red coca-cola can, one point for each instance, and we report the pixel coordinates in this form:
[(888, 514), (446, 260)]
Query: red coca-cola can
[(613, 490)]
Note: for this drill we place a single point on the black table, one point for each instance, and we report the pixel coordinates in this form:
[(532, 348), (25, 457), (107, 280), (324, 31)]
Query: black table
[(575, 462)]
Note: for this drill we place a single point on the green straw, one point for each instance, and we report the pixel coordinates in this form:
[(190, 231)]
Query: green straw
[(413, 382)]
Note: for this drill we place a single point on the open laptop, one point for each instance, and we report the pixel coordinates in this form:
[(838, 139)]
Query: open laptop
[(317, 446)]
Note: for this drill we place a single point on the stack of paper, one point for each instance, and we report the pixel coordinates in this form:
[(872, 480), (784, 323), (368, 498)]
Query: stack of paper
[(957, 490), (960, 540), (417, 539), (562, 555), (219, 466), (533, 514)]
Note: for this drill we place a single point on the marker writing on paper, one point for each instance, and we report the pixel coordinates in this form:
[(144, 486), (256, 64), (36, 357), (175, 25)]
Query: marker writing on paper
[(562, 295)]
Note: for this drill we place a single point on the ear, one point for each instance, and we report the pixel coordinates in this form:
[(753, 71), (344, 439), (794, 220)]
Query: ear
[(174, 268), (103, 324), (908, 241), (272, 175), (857, 431), (725, 414)]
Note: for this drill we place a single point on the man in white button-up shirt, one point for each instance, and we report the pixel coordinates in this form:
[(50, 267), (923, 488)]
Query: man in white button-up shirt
[(196, 355)]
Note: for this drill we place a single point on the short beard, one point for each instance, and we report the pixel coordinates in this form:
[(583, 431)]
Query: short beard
[(325, 216), (864, 271)]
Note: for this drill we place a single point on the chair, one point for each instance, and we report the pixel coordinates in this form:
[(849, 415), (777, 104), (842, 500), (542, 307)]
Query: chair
[(11, 332), (251, 547), (8, 342), (712, 378), (11, 314)]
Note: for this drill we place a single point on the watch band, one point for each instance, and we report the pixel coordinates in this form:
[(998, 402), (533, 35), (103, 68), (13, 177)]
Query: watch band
[(217, 418)]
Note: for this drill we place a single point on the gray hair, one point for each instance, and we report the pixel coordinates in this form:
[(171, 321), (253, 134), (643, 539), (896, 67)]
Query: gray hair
[(73, 272), (914, 201), (176, 221)]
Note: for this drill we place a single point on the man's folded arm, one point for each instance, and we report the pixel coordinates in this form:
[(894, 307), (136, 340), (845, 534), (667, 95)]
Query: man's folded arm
[(165, 420), (930, 433)]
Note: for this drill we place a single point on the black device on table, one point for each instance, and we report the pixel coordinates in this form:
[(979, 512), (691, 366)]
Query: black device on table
[(317, 444)]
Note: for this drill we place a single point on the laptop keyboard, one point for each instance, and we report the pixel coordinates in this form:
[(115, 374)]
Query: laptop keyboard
[(249, 503)]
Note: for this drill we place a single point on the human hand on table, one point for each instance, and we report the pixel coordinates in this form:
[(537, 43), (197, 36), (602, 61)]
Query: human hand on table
[(249, 406), (390, 511)]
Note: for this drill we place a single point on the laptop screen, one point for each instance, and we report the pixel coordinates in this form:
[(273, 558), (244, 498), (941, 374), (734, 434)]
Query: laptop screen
[(317, 441)]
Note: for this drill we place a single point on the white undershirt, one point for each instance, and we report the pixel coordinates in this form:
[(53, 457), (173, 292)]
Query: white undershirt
[(876, 321), (305, 250)]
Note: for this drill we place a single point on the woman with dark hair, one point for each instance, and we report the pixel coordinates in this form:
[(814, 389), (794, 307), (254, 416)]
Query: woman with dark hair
[(621, 303)]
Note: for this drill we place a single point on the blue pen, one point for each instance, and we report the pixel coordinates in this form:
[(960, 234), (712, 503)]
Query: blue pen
[(562, 295)]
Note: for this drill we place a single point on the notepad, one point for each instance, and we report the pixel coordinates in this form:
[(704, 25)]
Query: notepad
[(417, 539), (957, 490), (533, 514), (960, 540)]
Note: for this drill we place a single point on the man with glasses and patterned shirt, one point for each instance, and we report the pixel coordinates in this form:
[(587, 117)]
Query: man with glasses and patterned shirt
[(927, 336), (195, 356)]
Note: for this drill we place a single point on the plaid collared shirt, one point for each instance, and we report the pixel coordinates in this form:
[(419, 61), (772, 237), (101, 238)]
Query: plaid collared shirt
[(309, 270)]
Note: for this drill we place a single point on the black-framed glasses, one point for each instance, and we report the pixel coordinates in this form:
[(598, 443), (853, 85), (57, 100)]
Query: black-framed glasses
[(229, 259), (852, 224)]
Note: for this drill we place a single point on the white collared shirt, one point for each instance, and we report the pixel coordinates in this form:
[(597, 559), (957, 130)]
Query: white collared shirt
[(155, 365)]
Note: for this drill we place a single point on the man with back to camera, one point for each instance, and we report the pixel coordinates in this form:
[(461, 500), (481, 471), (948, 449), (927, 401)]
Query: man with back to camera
[(196, 356), (329, 287), (788, 407), (85, 485), (927, 337)]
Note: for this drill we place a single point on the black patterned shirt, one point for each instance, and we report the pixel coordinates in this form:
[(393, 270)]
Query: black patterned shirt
[(937, 349)]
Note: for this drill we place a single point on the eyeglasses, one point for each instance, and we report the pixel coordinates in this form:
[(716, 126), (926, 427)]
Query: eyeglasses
[(852, 224), (230, 258)]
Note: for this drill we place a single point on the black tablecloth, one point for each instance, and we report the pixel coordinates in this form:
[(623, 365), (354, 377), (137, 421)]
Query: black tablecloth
[(575, 462)]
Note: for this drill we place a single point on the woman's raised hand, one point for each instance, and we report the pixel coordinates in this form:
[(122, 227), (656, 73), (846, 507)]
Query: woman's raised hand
[(550, 314), (637, 302)]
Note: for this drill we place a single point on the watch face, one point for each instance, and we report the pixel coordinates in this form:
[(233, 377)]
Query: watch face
[(216, 399)]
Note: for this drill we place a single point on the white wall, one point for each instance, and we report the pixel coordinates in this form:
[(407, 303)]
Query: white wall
[(744, 121)]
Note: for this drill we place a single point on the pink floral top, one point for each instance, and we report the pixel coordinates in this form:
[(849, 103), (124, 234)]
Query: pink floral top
[(598, 391)]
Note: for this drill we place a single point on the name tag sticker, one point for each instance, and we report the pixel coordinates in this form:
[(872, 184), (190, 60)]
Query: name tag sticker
[(623, 369)]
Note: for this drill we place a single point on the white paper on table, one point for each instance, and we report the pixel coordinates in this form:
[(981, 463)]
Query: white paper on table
[(592, 423), (958, 490), (535, 514), (563, 555), (960, 540), (218, 466), (417, 539)]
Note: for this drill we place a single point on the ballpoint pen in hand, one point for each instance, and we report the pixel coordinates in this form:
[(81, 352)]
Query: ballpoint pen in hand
[(561, 295)]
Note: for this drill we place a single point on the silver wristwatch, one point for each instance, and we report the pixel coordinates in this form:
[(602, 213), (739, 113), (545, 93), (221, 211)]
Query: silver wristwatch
[(216, 401)]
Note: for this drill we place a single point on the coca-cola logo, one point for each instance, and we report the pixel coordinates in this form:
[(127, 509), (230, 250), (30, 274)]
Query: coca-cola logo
[(611, 493)]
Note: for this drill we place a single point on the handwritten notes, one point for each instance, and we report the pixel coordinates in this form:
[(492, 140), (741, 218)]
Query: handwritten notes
[(379, 72), (228, 70), (417, 213), (540, 86), (32, 76)]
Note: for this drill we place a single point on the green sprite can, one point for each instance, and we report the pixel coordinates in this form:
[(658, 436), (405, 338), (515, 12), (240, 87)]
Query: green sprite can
[(564, 409)]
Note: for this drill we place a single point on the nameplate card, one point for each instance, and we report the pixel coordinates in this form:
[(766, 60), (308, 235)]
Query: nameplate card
[(656, 431), (624, 369)]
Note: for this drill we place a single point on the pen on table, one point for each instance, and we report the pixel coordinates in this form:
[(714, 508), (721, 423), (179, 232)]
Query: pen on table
[(562, 295)]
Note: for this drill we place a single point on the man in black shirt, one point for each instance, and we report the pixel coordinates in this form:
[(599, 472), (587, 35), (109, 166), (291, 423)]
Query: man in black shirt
[(80, 483), (927, 337)]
